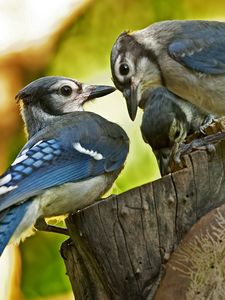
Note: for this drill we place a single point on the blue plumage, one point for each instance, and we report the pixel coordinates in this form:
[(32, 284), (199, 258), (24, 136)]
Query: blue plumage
[(53, 162), (9, 221), (186, 57), (71, 158), (207, 58), (200, 46)]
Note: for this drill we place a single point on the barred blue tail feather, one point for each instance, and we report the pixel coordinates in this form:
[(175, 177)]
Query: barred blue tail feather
[(10, 219)]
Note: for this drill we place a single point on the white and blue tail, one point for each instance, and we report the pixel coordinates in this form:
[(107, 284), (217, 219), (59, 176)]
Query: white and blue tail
[(10, 219)]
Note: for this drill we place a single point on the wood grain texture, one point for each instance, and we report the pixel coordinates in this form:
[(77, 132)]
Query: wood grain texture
[(195, 270), (119, 246)]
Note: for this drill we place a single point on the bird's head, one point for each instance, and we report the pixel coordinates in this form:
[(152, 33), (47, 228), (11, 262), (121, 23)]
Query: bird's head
[(134, 69), (47, 98), (178, 130), (174, 133), (164, 122)]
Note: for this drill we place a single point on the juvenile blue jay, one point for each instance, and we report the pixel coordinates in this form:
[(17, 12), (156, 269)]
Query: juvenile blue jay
[(167, 121), (186, 57), (72, 157)]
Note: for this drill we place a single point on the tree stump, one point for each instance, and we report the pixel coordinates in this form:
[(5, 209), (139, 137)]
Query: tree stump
[(120, 246), (195, 270)]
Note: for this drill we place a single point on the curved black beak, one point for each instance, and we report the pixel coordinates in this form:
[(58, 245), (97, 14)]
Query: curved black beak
[(97, 91)]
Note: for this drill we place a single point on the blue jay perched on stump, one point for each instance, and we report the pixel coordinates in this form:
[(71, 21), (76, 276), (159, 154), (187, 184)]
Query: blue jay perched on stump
[(186, 57), (72, 157)]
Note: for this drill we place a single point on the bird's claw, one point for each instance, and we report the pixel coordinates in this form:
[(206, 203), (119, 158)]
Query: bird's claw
[(209, 119), (177, 157), (199, 144), (42, 225), (176, 154), (175, 161), (64, 246), (179, 150)]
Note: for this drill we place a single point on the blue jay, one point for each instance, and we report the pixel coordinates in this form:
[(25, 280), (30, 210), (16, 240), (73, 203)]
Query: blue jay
[(186, 57), (72, 157), (167, 121)]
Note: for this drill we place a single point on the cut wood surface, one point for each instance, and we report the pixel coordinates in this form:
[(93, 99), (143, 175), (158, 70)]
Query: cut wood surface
[(120, 245), (195, 270)]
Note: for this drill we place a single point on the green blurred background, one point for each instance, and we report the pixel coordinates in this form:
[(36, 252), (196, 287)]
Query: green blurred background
[(78, 46)]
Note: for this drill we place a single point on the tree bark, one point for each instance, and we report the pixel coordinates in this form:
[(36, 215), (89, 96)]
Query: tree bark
[(119, 246)]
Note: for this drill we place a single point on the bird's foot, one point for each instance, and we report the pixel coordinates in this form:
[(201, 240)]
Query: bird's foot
[(64, 248), (175, 161), (175, 156), (42, 225), (179, 150), (198, 144), (209, 119)]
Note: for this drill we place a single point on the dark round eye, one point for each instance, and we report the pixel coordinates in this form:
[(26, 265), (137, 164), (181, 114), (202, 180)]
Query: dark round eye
[(177, 134), (124, 69), (66, 90)]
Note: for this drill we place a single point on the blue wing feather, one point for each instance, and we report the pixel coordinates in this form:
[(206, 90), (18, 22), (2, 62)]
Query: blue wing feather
[(200, 47), (53, 172), (52, 162)]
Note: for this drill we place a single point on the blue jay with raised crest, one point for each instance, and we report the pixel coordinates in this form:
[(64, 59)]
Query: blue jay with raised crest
[(72, 157)]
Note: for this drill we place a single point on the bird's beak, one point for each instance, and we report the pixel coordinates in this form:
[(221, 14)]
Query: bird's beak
[(96, 91), (130, 94), (163, 159)]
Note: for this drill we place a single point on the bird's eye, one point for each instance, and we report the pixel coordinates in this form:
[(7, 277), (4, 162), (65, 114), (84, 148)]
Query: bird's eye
[(124, 69), (66, 90), (177, 134)]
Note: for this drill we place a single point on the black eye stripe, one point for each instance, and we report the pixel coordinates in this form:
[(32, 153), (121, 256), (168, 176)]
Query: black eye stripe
[(79, 87), (66, 90)]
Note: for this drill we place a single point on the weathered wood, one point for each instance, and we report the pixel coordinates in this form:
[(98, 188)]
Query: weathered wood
[(195, 270), (121, 244)]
